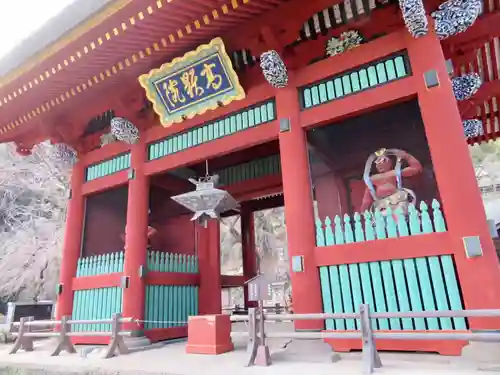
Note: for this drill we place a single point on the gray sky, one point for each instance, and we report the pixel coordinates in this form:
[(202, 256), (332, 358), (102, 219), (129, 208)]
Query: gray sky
[(20, 18)]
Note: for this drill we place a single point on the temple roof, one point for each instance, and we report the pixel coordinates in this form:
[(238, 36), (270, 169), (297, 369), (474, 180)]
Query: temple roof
[(86, 60), (68, 19)]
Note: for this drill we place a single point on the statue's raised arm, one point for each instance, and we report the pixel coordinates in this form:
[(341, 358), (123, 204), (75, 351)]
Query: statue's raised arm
[(384, 189)]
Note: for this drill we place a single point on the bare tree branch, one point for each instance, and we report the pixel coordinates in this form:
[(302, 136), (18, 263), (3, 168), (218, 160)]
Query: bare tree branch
[(33, 198)]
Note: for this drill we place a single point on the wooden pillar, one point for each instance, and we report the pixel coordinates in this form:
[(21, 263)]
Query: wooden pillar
[(248, 249), (458, 189), (331, 196), (208, 245), (299, 213), (72, 241), (136, 242)]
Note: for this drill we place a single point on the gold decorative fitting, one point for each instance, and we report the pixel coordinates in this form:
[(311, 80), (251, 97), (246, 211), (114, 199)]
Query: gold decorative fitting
[(159, 77)]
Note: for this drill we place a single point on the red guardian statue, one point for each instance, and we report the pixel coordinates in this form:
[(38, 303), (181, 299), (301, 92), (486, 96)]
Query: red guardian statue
[(385, 188)]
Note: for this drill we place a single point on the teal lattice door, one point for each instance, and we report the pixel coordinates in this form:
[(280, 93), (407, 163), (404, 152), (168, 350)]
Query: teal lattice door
[(403, 268)]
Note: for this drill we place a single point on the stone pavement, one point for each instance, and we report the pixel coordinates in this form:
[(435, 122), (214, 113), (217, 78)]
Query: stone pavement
[(298, 357)]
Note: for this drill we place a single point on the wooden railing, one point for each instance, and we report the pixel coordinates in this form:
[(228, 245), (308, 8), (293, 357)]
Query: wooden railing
[(377, 226), (259, 353), (157, 261), (26, 334)]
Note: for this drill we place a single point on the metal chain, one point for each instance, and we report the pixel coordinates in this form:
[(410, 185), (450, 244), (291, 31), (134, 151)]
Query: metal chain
[(159, 321)]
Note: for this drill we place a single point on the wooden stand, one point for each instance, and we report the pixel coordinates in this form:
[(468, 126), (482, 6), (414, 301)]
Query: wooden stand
[(209, 334), (64, 342)]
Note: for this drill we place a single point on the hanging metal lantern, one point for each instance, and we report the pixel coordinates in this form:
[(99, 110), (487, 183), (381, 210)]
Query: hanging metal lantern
[(64, 153), (455, 16), (123, 130), (274, 69), (414, 16), (466, 86), (472, 128), (207, 202)]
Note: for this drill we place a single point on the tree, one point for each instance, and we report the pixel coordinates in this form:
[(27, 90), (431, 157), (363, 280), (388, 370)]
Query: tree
[(270, 244), (486, 160), (33, 196)]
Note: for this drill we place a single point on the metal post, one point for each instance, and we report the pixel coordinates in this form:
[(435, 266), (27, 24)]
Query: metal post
[(263, 357), (370, 357)]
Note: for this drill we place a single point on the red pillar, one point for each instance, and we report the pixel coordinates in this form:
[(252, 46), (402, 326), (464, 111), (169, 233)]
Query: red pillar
[(299, 213), (72, 241), (248, 249), (462, 203), (136, 236), (208, 246)]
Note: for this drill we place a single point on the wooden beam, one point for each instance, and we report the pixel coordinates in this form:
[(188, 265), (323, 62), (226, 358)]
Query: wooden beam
[(483, 30), (291, 16), (380, 20), (468, 107), (171, 183)]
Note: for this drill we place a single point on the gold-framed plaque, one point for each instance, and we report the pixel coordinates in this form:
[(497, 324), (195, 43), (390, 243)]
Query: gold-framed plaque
[(187, 86)]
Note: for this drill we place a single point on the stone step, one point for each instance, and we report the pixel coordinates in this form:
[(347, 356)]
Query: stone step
[(137, 342)]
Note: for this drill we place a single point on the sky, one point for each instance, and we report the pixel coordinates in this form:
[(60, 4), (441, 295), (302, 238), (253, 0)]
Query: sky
[(21, 18)]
